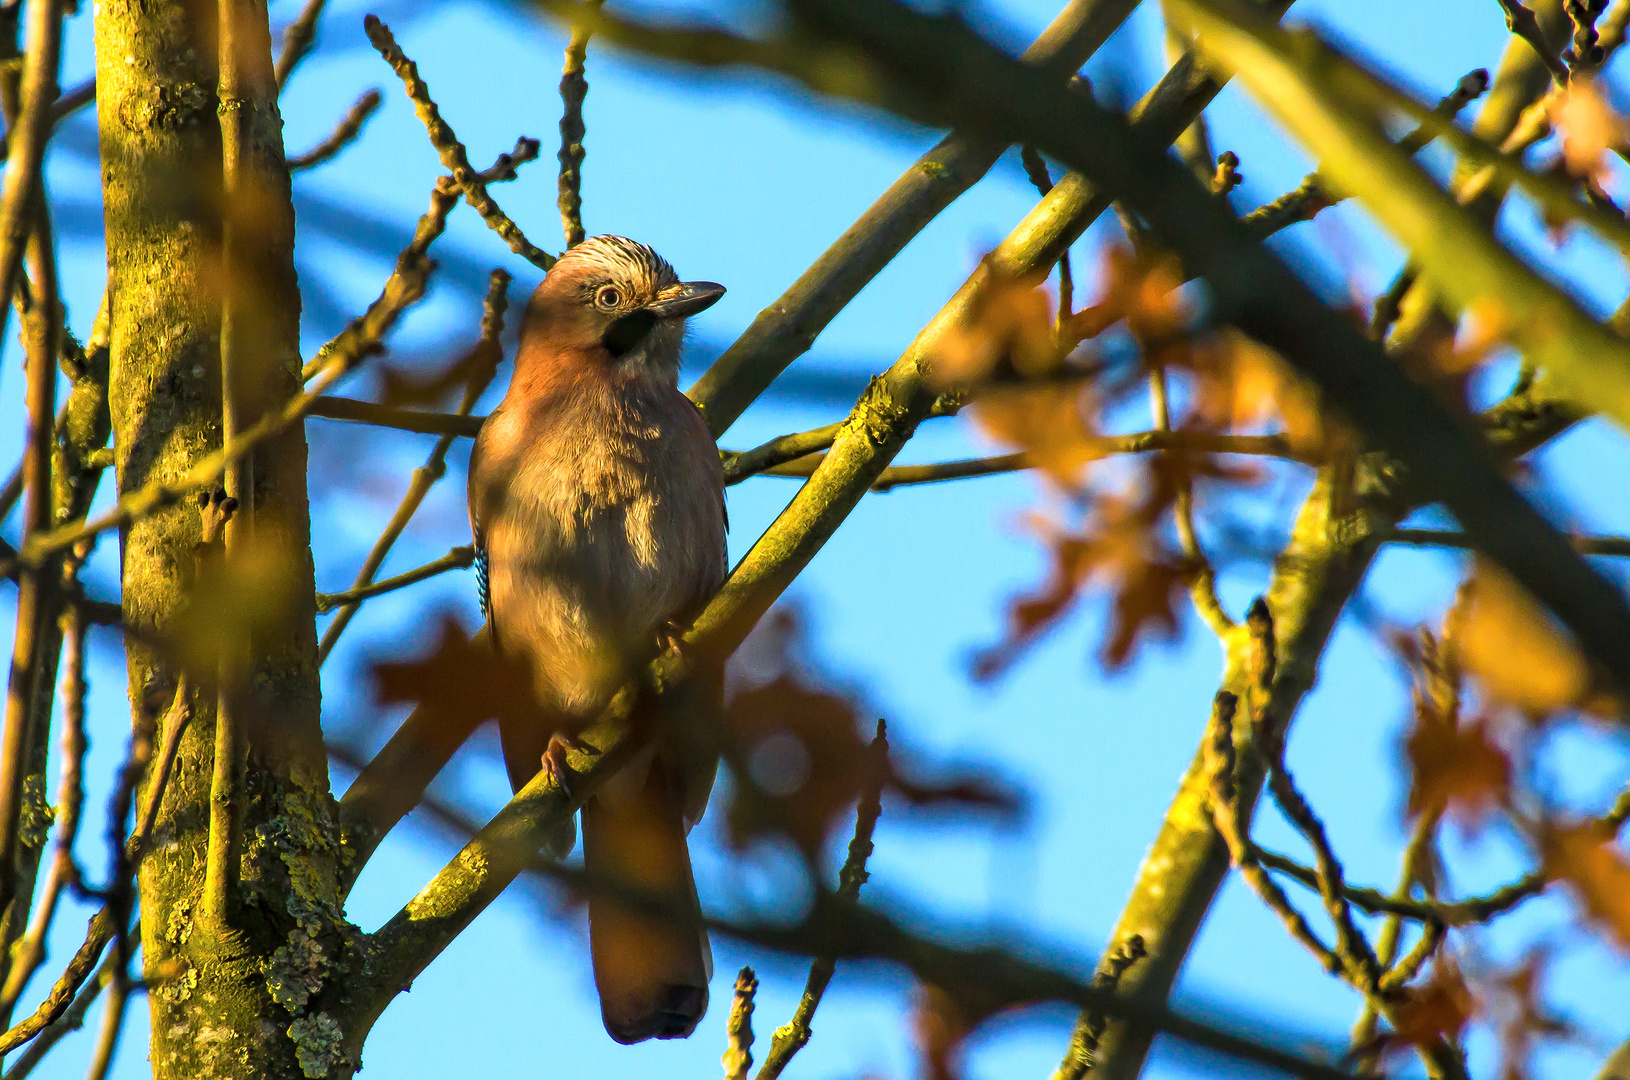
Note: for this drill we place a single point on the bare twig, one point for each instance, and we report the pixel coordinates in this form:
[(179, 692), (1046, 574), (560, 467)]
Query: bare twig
[(1314, 194), (26, 152), (1082, 1055), (453, 155), (574, 87), (363, 338), (1226, 813), (298, 38), (344, 133), (71, 1020), (460, 558), (1202, 581), (1142, 442), (1520, 21), (113, 1019), (738, 1053), (24, 227), (64, 872), (1585, 545), (389, 416), (487, 355), (790, 1037)]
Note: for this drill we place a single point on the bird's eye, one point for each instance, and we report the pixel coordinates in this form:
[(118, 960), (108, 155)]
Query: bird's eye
[(608, 297)]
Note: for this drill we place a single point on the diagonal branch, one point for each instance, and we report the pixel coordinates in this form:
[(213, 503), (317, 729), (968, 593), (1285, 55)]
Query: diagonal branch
[(786, 329)]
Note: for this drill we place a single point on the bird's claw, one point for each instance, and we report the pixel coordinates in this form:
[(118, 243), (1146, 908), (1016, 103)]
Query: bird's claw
[(671, 636), (554, 757)]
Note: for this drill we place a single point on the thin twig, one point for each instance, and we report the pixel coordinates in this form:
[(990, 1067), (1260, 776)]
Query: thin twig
[(1202, 581), (71, 1020), (344, 133), (738, 1029), (25, 144), (487, 354), (1361, 967), (1142, 442), (363, 338), (64, 872), (460, 558), (790, 1037), (1413, 870), (1313, 194), (1082, 1056), (1586, 545), (390, 416), (24, 228), (574, 87), (1226, 814), (453, 156), (113, 1019), (298, 38), (1520, 20), (243, 84)]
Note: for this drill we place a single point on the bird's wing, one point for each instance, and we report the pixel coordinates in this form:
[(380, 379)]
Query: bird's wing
[(478, 537)]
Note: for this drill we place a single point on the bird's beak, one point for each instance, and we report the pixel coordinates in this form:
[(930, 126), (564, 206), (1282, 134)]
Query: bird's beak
[(685, 299)]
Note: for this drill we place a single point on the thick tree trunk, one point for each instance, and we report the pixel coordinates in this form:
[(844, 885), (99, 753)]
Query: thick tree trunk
[(239, 998)]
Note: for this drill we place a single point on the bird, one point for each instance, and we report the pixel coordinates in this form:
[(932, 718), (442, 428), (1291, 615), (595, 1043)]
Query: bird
[(596, 500)]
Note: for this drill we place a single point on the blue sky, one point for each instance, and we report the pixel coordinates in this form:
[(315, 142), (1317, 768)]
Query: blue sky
[(743, 180)]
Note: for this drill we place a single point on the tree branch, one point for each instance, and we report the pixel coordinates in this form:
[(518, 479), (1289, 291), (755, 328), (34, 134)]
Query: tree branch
[(343, 135), (486, 356), (794, 1034), (453, 156)]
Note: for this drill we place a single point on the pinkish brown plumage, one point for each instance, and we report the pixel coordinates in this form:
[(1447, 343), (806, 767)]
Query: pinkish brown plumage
[(597, 502)]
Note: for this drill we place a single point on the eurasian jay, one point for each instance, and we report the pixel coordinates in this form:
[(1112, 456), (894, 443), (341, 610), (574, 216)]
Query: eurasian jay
[(597, 504)]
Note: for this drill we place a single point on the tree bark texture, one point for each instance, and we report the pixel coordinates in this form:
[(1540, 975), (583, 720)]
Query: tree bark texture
[(244, 997)]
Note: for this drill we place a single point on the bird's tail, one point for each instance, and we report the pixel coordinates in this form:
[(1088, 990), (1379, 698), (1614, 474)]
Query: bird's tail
[(652, 962)]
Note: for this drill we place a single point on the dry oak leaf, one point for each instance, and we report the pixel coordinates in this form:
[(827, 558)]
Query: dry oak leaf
[(462, 682), (1439, 1008), (1007, 331), (1144, 290), (1242, 385), (1590, 128), (1515, 1005), (1455, 768), (1518, 654), (798, 745), (1126, 557), (1050, 422), (1594, 868)]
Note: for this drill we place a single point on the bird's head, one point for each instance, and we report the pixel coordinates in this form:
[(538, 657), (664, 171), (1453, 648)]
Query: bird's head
[(612, 297)]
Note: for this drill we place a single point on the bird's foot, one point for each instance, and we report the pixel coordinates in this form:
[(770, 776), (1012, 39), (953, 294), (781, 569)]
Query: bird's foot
[(671, 636), (554, 757)]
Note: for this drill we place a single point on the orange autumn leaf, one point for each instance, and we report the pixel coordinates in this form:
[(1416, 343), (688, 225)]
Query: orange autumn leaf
[(1006, 331), (1126, 559), (1455, 768), (1590, 129), (1142, 290), (1242, 385), (1440, 1008), (1514, 1002), (1595, 870), (1518, 655), (1050, 422), (462, 681)]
